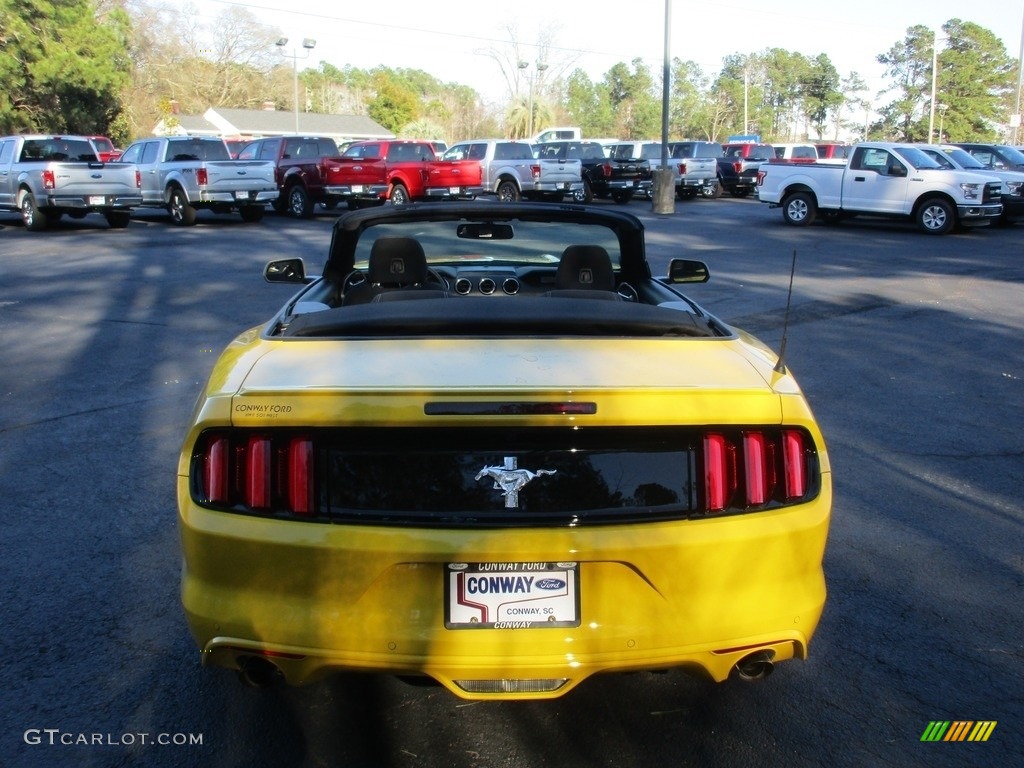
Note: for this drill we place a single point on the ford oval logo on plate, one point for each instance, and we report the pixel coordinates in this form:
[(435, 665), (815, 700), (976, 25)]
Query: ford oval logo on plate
[(550, 584)]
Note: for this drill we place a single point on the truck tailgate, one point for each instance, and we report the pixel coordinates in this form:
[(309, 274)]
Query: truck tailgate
[(243, 175)]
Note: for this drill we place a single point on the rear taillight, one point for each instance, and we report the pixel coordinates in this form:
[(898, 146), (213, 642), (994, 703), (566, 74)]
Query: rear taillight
[(738, 166), (48, 180), (255, 472), (682, 169), (138, 179), (606, 170), (201, 176), (535, 171), (755, 469)]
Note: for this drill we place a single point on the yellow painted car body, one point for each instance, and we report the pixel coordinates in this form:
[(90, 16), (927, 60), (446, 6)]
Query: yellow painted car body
[(276, 597)]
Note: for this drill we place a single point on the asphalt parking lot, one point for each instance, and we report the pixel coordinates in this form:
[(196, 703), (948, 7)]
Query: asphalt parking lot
[(908, 347)]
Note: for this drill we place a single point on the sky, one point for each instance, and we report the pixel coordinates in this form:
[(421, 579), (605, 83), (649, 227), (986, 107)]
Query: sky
[(461, 41)]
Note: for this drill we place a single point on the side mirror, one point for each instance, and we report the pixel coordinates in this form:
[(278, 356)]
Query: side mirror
[(285, 271), (898, 171), (688, 271)]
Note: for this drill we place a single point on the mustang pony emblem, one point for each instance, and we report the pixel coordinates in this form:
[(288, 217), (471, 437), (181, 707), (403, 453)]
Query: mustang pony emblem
[(510, 479)]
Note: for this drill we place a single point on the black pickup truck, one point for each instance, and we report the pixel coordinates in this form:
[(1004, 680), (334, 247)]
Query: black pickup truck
[(739, 164), (602, 176)]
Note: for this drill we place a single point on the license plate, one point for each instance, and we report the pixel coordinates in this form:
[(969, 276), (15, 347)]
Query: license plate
[(97, 200), (512, 595), (357, 189), (455, 190)]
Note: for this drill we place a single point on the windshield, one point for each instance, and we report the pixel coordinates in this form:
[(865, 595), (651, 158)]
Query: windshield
[(964, 159), (498, 244), (919, 160)]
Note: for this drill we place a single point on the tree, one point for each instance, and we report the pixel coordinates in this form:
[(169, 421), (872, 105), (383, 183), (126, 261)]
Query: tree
[(631, 98), (908, 64), (974, 81), (62, 68)]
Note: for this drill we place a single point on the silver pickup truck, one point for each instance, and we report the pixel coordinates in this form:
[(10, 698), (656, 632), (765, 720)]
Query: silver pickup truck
[(45, 176), (510, 171), (185, 173)]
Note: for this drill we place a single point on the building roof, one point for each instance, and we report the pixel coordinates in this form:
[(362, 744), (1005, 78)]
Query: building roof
[(257, 123)]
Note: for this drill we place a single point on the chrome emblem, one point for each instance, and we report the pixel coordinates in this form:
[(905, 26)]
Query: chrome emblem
[(510, 480)]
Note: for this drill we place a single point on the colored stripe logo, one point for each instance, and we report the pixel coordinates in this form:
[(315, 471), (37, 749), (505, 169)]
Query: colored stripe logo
[(958, 730)]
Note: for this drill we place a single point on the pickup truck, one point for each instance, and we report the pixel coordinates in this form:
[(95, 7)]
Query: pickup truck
[(795, 153), (640, 150), (373, 172), (45, 176), (185, 173), (602, 176), (303, 167), (696, 163), (881, 179), (738, 166), (510, 171), (955, 158)]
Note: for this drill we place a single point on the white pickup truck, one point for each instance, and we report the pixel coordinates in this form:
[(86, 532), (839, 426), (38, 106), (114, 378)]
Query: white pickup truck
[(186, 173), (510, 171), (45, 177), (881, 179)]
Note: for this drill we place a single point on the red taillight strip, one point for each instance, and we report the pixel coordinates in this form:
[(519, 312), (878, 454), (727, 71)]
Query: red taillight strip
[(215, 471), (258, 473), (755, 468), (300, 476), (716, 472), (794, 463)]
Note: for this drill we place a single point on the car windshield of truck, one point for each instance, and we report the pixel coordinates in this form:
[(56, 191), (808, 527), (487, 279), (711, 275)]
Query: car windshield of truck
[(964, 159), (1013, 156), (57, 149), (919, 161), (190, 150)]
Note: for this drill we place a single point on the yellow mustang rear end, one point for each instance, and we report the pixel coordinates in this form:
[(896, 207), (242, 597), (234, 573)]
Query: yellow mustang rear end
[(506, 492)]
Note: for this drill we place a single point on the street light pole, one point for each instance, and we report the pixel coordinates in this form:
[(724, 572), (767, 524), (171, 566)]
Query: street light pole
[(309, 44)]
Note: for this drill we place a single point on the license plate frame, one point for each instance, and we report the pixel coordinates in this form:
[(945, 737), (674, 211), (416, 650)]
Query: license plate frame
[(97, 199), (511, 595)]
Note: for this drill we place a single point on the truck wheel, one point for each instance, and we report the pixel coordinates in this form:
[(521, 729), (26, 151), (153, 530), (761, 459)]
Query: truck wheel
[(251, 213), (711, 191), (182, 214), (117, 219), (584, 195), (299, 205), (31, 215), (622, 196), (799, 209), (935, 216), (399, 194), (507, 192)]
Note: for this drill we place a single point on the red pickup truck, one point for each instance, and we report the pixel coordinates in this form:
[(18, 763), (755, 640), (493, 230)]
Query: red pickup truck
[(303, 167), (372, 172)]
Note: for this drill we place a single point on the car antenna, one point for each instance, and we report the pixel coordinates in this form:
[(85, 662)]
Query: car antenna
[(780, 365)]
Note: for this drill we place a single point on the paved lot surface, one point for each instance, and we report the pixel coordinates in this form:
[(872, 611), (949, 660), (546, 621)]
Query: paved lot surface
[(908, 346)]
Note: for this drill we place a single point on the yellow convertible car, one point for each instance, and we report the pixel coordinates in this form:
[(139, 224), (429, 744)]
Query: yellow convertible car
[(487, 446)]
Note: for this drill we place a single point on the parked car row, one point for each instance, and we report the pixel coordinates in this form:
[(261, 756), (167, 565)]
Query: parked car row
[(45, 177), (938, 187)]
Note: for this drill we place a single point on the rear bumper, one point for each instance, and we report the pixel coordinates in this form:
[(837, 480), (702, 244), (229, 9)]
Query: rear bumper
[(93, 202), (313, 599), (453, 193), (237, 197), (357, 191)]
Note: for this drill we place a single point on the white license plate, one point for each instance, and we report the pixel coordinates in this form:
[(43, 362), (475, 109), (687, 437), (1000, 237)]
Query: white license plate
[(357, 189), (97, 200), (455, 190), (241, 195), (511, 595)]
